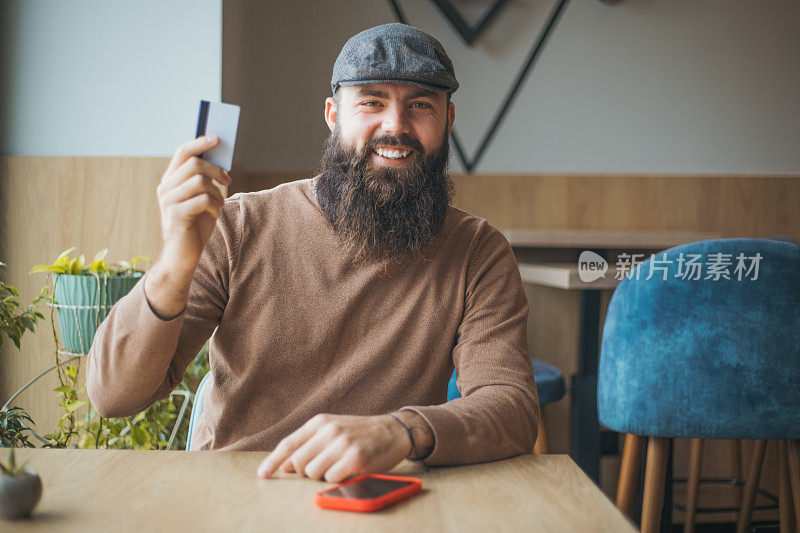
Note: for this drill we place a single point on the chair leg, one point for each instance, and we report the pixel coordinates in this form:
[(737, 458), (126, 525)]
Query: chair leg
[(793, 456), (629, 473), (541, 441), (785, 504), (693, 484), (749, 496), (654, 478), (737, 467)]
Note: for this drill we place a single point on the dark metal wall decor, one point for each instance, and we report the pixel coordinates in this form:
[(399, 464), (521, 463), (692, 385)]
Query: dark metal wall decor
[(464, 29), (469, 34)]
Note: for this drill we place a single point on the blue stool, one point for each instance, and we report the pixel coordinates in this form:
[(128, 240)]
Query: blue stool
[(707, 358), (549, 386)]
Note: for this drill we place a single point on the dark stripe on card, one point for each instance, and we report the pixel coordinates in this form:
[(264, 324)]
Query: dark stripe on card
[(202, 119)]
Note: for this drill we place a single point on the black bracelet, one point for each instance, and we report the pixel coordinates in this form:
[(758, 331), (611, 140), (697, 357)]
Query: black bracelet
[(411, 438)]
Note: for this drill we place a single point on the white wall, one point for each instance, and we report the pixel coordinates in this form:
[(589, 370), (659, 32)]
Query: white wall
[(106, 77), (634, 86)]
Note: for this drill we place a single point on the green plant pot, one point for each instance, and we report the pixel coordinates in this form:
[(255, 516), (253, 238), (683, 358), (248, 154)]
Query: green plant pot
[(78, 326)]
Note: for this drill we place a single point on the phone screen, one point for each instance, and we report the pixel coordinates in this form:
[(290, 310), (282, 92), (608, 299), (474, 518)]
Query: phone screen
[(367, 489)]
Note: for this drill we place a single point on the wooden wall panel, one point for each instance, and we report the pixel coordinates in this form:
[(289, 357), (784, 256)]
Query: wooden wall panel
[(48, 204), (727, 205)]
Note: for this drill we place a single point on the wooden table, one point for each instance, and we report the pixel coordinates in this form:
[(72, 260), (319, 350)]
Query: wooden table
[(603, 239), (586, 435), (121, 490), (565, 276)]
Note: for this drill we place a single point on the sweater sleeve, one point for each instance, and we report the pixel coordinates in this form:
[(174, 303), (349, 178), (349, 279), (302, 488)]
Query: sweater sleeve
[(497, 415), (138, 358)]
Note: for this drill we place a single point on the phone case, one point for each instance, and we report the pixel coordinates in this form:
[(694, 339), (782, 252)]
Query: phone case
[(372, 504)]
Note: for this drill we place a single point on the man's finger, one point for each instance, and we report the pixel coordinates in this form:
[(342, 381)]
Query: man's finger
[(342, 469), (194, 166), (284, 449), (192, 148), (317, 467), (308, 451)]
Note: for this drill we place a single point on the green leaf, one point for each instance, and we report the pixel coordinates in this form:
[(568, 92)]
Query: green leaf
[(47, 268), (76, 405), (63, 389), (99, 256), (138, 435), (76, 265), (64, 254), (71, 371)]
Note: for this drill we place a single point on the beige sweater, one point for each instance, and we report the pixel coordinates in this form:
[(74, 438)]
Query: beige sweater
[(296, 329)]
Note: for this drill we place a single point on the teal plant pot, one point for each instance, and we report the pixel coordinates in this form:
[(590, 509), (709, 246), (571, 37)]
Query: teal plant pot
[(93, 302)]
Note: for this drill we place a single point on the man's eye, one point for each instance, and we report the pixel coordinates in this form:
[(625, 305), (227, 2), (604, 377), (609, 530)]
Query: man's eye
[(421, 105), (371, 103)]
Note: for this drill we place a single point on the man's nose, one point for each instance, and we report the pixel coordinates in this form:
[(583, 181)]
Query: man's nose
[(395, 120)]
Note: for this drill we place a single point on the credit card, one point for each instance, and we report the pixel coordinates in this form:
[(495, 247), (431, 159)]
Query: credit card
[(216, 118)]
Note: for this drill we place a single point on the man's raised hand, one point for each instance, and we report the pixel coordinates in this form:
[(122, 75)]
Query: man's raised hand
[(190, 204)]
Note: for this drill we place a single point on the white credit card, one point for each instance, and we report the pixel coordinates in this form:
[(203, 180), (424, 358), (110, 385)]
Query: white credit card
[(219, 119)]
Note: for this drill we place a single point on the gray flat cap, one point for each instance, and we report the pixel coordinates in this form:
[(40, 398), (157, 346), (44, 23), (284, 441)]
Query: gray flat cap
[(394, 53)]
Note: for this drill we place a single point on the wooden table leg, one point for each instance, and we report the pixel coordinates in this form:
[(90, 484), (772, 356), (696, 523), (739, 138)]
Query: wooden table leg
[(585, 447)]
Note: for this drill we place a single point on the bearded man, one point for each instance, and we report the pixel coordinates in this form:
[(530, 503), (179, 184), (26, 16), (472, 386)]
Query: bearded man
[(337, 306)]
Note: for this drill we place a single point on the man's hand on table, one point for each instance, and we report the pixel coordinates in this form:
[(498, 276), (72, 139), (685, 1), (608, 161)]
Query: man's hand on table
[(335, 447)]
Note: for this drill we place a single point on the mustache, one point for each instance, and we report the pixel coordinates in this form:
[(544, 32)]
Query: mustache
[(403, 140)]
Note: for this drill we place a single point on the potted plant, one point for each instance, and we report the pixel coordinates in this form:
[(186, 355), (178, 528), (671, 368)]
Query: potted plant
[(82, 298), (164, 425), (83, 295), (20, 489), (13, 324)]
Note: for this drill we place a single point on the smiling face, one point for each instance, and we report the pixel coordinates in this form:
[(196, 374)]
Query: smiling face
[(396, 122), (383, 184)]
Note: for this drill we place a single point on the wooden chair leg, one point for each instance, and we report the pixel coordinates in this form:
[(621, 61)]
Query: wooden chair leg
[(793, 458), (737, 467), (693, 483), (654, 476), (785, 504), (749, 496), (629, 473), (541, 441)]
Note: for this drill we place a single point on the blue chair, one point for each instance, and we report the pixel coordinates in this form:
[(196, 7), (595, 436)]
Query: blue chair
[(197, 409), (549, 386), (707, 358)]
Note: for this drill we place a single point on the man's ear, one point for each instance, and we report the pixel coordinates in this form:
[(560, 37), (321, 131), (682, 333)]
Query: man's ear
[(330, 113), (451, 117)]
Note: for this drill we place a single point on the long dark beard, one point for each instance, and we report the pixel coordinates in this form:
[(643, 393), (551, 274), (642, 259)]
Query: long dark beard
[(384, 212)]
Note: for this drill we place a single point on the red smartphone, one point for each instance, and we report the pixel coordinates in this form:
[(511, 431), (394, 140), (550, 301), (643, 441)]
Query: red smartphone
[(368, 493)]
